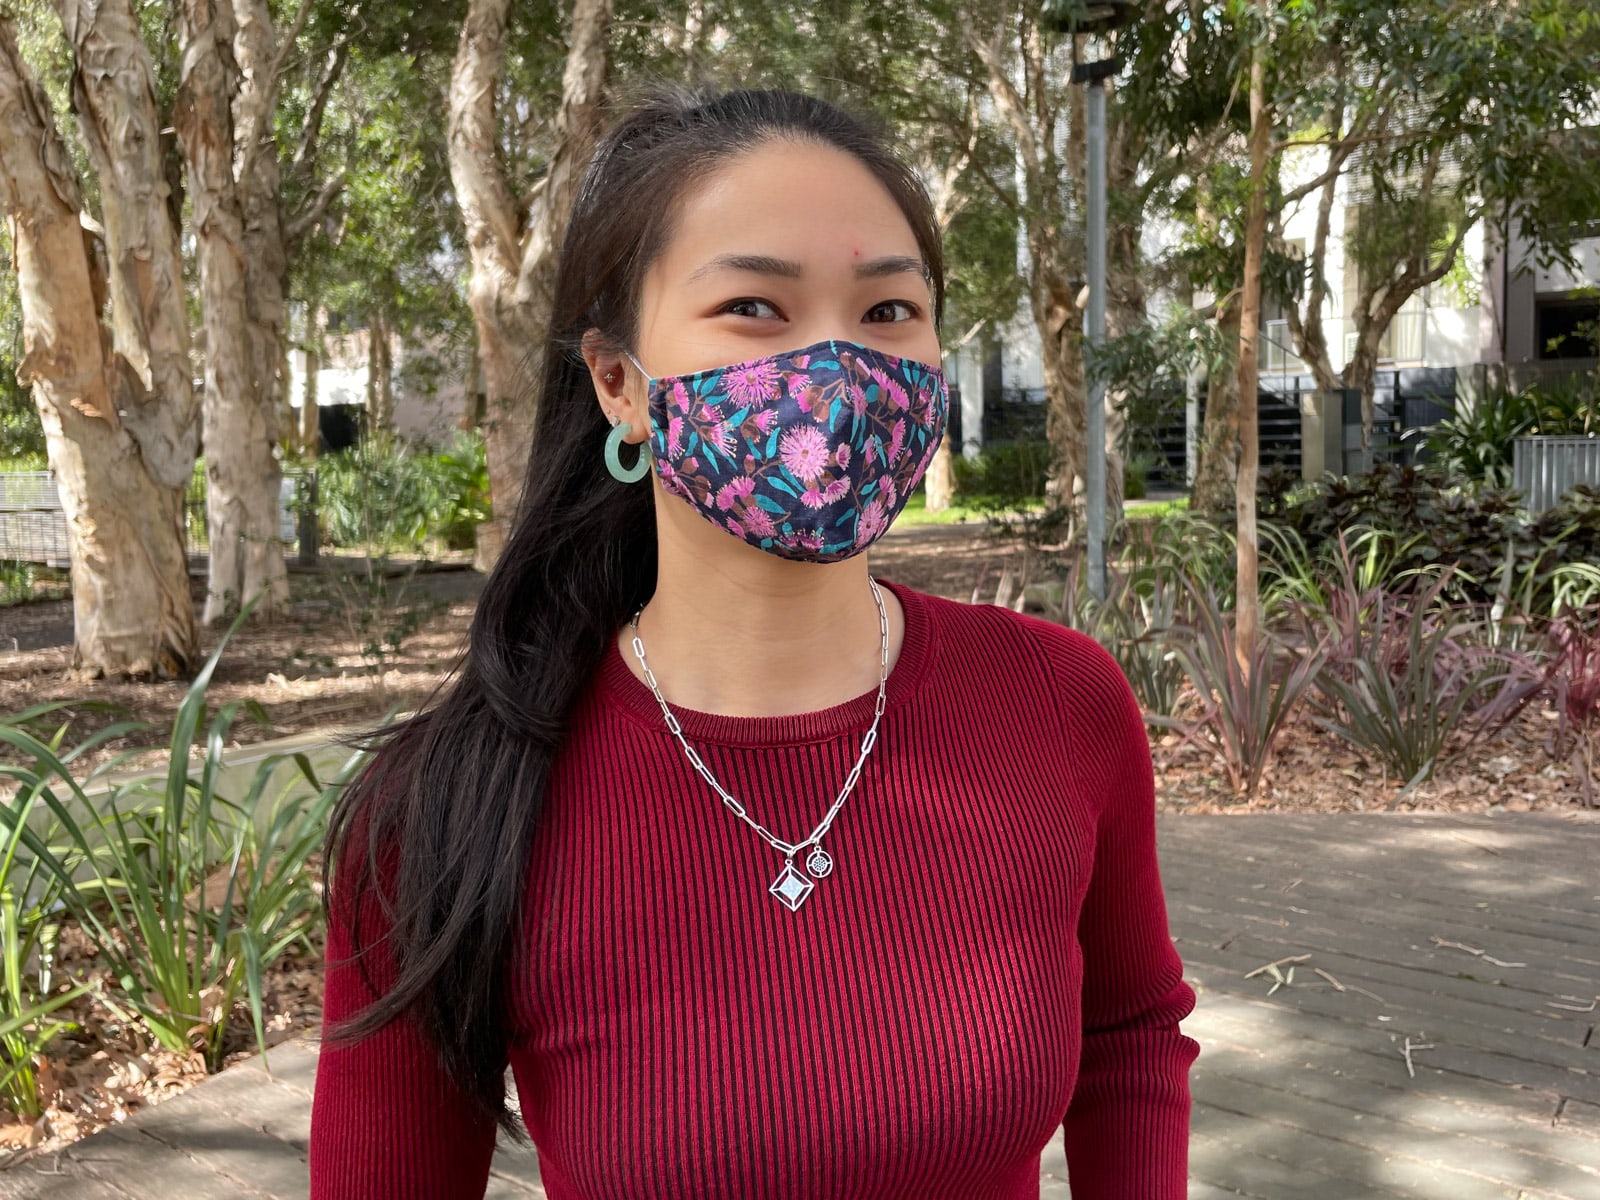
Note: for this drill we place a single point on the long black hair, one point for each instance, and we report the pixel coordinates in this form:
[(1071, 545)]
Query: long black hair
[(445, 811)]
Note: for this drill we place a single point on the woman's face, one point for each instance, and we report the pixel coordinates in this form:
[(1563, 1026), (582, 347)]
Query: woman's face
[(789, 244)]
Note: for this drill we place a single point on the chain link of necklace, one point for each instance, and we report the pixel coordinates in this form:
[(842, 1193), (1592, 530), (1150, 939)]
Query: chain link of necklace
[(791, 887)]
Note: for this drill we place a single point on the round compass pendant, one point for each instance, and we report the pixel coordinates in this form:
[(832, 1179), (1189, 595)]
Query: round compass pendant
[(819, 862)]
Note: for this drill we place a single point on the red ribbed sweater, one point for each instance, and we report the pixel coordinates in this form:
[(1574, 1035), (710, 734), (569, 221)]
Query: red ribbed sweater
[(987, 962)]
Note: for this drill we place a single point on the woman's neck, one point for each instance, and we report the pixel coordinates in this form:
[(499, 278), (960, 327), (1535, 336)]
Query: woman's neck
[(740, 636)]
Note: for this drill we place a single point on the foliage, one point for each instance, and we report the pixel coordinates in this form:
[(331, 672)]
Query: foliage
[(28, 995), (16, 582), (1006, 473), (1478, 442), (187, 895), (384, 494), (1135, 623), (1572, 683), (1404, 673), (22, 444), (1495, 548), (1244, 707)]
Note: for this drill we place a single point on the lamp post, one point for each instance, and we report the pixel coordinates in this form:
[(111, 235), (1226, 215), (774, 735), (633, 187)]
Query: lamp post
[(1096, 19)]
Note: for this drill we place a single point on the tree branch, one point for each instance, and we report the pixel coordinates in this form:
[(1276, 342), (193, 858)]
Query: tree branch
[(300, 225)]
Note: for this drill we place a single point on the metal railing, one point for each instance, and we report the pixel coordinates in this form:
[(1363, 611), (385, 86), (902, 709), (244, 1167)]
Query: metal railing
[(33, 523), (1544, 469)]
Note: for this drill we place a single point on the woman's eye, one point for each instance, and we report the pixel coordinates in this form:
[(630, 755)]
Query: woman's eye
[(749, 307), (905, 307)]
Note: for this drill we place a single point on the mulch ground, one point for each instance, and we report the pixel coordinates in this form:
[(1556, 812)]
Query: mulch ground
[(305, 671)]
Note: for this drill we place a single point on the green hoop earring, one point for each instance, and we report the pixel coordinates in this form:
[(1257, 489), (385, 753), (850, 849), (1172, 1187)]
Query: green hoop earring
[(614, 464)]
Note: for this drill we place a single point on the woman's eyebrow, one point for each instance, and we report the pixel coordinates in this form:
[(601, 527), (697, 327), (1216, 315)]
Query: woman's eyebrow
[(893, 264), (759, 264), (765, 264)]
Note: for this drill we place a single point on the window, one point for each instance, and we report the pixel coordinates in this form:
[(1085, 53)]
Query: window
[(1567, 327)]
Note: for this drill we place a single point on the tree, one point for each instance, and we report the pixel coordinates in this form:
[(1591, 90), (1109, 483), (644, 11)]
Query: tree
[(224, 115), (1026, 72), (512, 241), (1431, 115), (1247, 602), (116, 403)]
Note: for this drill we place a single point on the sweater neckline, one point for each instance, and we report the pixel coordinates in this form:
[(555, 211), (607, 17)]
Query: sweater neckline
[(624, 691)]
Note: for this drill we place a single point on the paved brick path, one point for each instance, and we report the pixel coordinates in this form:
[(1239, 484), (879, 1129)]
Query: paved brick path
[(1476, 939)]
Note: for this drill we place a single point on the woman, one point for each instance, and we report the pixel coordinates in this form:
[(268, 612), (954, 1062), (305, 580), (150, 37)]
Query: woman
[(765, 877)]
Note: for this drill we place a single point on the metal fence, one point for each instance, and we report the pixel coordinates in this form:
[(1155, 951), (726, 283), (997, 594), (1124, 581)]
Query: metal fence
[(1544, 469), (33, 524), (1405, 401)]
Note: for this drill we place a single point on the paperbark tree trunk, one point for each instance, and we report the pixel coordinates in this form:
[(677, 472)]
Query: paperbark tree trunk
[(118, 411), (513, 244), (1032, 114), (226, 96)]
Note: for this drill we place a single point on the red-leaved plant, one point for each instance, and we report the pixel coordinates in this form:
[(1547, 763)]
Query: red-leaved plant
[(1573, 686)]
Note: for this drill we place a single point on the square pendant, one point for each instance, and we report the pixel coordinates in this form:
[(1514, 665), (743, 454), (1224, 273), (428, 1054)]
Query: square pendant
[(791, 887)]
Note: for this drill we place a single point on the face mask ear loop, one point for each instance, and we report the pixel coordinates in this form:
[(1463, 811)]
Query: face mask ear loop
[(648, 381)]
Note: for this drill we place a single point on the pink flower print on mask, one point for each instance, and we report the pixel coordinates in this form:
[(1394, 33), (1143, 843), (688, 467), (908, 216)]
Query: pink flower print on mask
[(804, 452), (890, 393), (823, 457), (670, 481), (897, 441), (804, 540), (871, 522), (759, 522), (734, 489), (753, 384)]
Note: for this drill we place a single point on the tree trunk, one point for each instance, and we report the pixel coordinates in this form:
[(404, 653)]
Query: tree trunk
[(241, 299), (1059, 321), (1247, 599), (380, 375), (266, 264), (1217, 473), (310, 427), (939, 484), (118, 425), (513, 247)]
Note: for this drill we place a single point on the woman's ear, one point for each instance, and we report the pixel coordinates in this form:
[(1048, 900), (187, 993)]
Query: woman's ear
[(607, 372)]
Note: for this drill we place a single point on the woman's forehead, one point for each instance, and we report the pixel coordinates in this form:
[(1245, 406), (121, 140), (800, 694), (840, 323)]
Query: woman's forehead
[(793, 203)]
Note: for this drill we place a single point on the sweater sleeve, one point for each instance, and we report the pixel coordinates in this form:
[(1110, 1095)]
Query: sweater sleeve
[(387, 1121), (1127, 1126)]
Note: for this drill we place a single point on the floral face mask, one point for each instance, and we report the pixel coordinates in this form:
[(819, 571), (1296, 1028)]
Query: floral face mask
[(809, 454)]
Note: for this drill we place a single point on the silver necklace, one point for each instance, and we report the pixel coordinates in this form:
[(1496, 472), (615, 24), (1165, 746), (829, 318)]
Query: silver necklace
[(791, 886)]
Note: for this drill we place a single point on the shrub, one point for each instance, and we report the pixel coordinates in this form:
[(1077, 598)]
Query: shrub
[(1405, 673), (187, 895), (1478, 443), (385, 494), (1007, 472), (1244, 710), (1495, 548), (1572, 682), (1134, 623)]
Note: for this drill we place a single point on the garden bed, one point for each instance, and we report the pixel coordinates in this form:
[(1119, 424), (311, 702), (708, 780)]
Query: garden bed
[(305, 672)]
